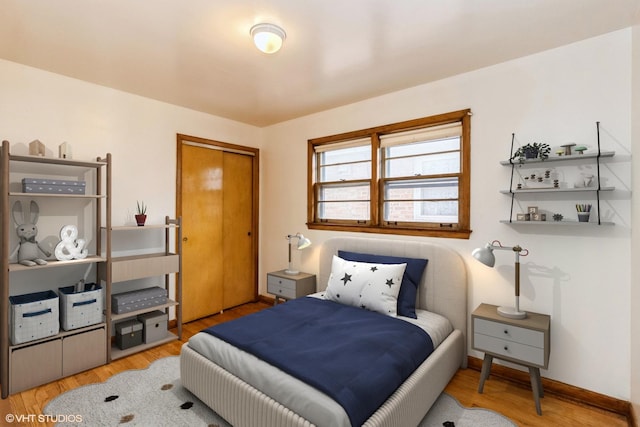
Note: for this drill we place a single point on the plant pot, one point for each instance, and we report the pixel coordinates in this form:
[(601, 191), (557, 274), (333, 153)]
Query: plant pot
[(140, 220), (530, 154)]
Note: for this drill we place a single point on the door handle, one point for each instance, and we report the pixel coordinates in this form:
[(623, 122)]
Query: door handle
[(184, 239)]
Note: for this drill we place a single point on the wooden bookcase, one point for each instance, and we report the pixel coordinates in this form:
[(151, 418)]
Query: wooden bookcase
[(28, 364)]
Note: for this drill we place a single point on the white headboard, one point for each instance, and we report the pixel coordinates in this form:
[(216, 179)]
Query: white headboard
[(443, 289)]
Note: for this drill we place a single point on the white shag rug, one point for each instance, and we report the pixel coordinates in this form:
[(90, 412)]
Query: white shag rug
[(155, 397)]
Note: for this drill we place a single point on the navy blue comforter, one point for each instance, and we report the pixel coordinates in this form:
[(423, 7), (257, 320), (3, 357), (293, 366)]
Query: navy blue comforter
[(357, 357)]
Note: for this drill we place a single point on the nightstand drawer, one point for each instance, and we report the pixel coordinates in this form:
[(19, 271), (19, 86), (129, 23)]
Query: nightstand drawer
[(281, 291), (507, 332), (274, 282), (508, 349)]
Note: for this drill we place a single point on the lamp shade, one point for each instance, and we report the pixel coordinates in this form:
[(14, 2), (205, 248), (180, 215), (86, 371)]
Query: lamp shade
[(303, 242), (485, 255), (268, 38)]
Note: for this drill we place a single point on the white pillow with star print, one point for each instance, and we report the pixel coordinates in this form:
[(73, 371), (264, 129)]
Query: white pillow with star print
[(374, 287)]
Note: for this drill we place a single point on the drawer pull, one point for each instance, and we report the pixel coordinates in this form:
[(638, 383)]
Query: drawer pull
[(506, 332), (506, 348)]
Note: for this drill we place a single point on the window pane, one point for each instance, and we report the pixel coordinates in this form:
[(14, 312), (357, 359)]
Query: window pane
[(344, 155), (344, 210), (423, 165), (421, 211), (344, 192), (345, 172), (422, 200), (422, 189), (424, 147)]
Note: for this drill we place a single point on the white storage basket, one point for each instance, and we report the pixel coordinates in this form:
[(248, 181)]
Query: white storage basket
[(33, 316), (78, 309)]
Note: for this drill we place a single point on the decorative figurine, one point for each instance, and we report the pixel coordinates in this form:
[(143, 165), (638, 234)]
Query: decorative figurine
[(36, 148), (64, 151), (70, 247)]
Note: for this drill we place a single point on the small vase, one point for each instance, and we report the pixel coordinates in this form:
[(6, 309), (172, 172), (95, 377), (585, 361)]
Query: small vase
[(140, 220)]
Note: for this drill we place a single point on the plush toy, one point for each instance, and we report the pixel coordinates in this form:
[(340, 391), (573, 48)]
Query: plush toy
[(28, 247)]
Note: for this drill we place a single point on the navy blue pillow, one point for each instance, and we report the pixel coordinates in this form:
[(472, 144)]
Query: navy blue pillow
[(410, 280)]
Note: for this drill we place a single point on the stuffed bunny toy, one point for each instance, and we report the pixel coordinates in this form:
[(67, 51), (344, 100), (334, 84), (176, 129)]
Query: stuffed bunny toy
[(28, 247)]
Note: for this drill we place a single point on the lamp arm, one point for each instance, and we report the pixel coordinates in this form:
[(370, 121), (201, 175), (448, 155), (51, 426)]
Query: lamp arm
[(496, 245)]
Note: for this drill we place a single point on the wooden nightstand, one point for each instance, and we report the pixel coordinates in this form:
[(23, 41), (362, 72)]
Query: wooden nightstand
[(525, 342), (290, 286)]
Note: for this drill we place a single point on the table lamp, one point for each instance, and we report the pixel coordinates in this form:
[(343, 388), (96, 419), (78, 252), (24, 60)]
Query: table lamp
[(303, 242), (485, 256)]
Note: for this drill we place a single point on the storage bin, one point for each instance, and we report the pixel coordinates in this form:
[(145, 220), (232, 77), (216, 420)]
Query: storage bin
[(78, 309), (128, 334), (33, 316), (52, 186), (154, 326), (127, 302)]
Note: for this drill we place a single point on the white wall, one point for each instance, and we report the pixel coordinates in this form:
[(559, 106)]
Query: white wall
[(635, 245), (581, 277), (140, 134)]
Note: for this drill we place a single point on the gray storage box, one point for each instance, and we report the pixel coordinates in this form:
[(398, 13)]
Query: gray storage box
[(78, 309), (33, 316), (53, 186), (154, 326), (127, 302), (128, 334)]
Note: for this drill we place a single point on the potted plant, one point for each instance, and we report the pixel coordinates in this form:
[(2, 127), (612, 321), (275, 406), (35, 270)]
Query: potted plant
[(141, 216), (532, 151)]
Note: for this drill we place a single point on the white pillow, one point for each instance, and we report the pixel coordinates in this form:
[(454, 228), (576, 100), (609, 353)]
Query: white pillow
[(374, 287)]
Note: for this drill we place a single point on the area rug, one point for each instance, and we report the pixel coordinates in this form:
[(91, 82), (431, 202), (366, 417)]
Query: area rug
[(155, 397)]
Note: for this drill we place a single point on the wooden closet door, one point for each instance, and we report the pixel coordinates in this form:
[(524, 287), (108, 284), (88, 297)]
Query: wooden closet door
[(217, 201), (202, 246), (239, 267)]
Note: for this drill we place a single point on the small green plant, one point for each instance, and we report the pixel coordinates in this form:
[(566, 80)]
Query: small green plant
[(142, 208), (532, 151)]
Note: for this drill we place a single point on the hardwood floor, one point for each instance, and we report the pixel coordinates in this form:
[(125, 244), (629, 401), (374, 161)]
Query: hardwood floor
[(510, 399)]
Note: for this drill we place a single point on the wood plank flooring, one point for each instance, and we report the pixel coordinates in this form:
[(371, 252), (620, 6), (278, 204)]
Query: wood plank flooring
[(511, 400)]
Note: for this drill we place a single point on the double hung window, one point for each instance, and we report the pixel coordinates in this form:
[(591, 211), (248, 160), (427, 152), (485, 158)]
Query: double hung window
[(404, 178)]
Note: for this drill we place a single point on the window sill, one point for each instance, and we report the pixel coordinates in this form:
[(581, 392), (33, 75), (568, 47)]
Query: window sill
[(424, 232)]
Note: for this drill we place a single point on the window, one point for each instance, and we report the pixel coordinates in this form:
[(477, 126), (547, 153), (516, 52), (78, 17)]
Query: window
[(409, 178)]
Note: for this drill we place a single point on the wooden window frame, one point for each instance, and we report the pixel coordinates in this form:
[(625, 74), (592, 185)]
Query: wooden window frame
[(376, 225)]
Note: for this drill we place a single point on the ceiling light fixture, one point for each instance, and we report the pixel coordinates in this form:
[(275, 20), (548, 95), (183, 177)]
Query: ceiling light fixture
[(268, 37)]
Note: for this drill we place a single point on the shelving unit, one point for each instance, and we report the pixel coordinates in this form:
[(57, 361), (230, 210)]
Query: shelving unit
[(132, 267), (67, 352), (592, 190)]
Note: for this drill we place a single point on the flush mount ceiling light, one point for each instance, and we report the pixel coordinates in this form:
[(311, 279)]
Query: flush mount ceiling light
[(268, 37)]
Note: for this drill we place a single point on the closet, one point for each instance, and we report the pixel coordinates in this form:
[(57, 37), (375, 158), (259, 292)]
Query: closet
[(217, 199)]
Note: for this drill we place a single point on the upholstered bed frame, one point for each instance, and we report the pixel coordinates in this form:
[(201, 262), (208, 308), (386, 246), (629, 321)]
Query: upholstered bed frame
[(443, 290)]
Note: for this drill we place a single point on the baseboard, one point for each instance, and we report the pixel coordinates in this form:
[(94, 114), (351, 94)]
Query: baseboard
[(559, 389), (266, 299)]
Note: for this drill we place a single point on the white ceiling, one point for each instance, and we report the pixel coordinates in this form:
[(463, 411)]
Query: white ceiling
[(198, 53)]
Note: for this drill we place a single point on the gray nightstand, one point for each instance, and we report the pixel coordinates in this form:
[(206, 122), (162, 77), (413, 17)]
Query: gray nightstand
[(525, 342), (290, 286)]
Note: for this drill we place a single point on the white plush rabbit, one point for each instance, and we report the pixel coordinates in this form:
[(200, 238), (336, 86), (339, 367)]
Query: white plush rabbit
[(28, 249)]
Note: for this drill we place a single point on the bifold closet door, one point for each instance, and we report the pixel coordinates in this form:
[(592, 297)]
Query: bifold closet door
[(217, 197)]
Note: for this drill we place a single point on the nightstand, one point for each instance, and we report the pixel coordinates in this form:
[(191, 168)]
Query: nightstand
[(290, 286), (525, 342)]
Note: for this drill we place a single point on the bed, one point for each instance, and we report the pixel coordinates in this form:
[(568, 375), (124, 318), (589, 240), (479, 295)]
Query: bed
[(228, 384)]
